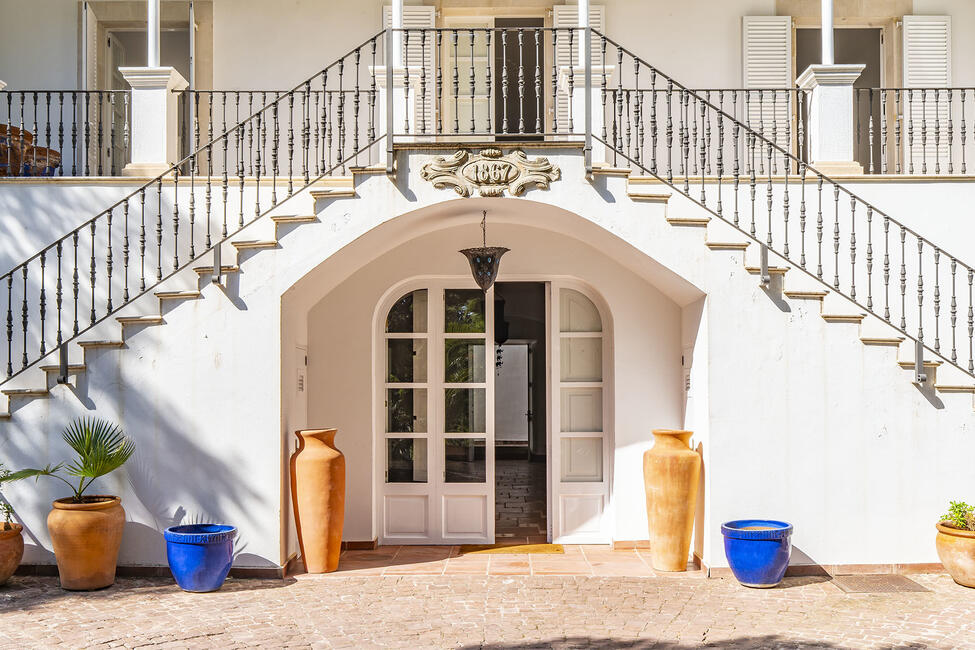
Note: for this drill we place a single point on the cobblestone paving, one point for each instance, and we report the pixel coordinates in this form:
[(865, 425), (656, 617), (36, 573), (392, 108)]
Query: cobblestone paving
[(495, 612)]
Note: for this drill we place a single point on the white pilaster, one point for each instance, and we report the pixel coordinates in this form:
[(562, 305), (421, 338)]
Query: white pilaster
[(831, 133), (577, 104), (155, 136)]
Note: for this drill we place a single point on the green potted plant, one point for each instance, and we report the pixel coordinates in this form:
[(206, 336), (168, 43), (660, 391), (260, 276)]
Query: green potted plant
[(11, 537), (956, 542), (86, 530)]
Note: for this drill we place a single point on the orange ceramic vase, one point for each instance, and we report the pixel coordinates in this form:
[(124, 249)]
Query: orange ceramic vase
[(86, 538), (318, 493), (671, 471), (956, 550), (11, 550)]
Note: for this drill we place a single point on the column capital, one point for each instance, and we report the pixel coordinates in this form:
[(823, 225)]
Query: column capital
[(154, 78), (843, 74)]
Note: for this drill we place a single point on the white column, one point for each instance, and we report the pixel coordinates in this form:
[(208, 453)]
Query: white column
[(152, 33), (155, 132), (827, 32), (404, 105), (577, 104), (583, 23), (831, 132), (397, 23)]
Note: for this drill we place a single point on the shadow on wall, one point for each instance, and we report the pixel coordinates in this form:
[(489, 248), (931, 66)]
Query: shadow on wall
[(587, 642), (171, 479)]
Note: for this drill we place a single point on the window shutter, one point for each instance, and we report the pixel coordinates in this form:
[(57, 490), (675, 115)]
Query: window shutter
[(927, 64), (564, 16), (767, 63), (421, 56)]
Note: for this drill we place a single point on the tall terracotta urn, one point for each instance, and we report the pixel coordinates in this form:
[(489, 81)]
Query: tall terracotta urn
[(318, 492), (86, 538), (11, 549), (670, 473)]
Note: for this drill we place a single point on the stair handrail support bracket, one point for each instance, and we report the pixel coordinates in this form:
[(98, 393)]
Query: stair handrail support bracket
[(920, 377), (62, 377), (765, 278), (217, 271)]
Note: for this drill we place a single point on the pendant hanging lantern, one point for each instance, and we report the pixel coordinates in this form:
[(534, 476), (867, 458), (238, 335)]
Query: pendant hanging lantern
[(485, 259)]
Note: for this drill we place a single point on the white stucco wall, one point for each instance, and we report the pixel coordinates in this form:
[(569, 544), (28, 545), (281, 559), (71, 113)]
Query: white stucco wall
[(962, 14), (802, 421), (39, 49)]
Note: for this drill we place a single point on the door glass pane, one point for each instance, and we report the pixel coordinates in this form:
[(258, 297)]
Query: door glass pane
[(406, 410), (582, 409), (406, 460), (577, 313), (582, 359), (406, 361), (582, 460), (464, 310), (464, 460), (464, 410), (464, 361), (409, 314)]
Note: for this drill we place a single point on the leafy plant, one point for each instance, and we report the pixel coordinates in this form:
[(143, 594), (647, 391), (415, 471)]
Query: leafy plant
[(960, 515), (101, 447)]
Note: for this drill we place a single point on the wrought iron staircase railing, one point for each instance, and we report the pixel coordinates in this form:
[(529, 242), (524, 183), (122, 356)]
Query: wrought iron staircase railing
[(184, 214), (792, 210)]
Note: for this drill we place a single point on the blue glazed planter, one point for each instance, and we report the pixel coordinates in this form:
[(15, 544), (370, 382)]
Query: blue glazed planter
[(200, 555), (758, 550)]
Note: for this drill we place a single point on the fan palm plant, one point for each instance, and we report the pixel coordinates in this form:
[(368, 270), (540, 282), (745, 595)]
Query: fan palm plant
[(102, 448)]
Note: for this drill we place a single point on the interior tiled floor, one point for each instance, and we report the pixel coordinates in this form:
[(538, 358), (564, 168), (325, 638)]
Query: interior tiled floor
[(519, 500), (578, 560)]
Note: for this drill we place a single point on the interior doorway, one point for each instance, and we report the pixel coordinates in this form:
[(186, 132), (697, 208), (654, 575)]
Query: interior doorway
[(519, 412), (853, 45)]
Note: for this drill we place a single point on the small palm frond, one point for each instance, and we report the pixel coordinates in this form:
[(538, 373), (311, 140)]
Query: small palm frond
[(50, 470), (101, 447)]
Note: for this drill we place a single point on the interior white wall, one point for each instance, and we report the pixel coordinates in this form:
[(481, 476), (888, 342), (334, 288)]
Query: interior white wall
[(646, 353)]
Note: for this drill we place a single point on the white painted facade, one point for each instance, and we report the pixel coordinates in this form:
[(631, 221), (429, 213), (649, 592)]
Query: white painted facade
[(795, 417)]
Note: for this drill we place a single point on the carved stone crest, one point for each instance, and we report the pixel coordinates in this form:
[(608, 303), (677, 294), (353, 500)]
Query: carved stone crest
[(489, 172)]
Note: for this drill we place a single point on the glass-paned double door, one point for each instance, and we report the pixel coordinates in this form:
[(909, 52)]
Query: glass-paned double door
[(438, 474)]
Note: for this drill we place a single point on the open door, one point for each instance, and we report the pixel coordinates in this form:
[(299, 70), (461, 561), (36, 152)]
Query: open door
[(579, 450)]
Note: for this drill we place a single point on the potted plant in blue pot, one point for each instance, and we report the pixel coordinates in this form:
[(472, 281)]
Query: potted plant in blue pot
[(200, 555), (758, 550)]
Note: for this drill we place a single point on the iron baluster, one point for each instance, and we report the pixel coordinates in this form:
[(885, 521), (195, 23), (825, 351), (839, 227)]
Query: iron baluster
[(59, 294), (488, 84), (142, 243), (971, 322), (883, 131), (10, 322), (439, 82), (836, 237), (653, 121), (43, 301), (109, 263), (853, 248), (870, 127), (898, 118), (125, 249), (91, 273), (937, 302), (769, 189), (870, 258), (291, 148), (504, 81), (802, 215), (454, 35), (356, 100), (159, 230), (473, 74), (819, 227), (954, 311), (423, 88), (521, 83), (951, 137), (903, 279), (886, 268), (24, 312), (555, 81), (538, 82), (910, 130), (175, 219), (937, 130)]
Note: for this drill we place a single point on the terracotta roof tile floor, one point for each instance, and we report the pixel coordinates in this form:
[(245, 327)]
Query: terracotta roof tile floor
[(423, 597)]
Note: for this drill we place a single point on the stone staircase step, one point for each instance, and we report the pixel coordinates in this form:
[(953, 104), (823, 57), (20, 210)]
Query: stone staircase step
[(806, 295), (955, 388), (289, 219), (844, 318), (727, 246), (101, 344), (689, 222), (772, 270), (25, 392), (334, 193), (909, 365), (73, 369), (255, 244), (178, 295), (651, 197), (140, 320), (884, 341), (208, 270)]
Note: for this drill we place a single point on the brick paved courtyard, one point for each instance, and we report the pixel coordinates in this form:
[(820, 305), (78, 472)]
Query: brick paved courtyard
[(347, 610)]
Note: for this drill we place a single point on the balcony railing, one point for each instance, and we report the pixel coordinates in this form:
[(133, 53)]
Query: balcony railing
[(64, 132)]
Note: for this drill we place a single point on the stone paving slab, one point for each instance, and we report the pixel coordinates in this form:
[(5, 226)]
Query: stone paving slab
[(490, 612)]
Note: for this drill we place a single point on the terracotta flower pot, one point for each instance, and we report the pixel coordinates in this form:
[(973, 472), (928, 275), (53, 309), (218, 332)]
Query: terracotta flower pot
[(670, 472), (956, 549), (86, 538), (318, 492), (11, 550)]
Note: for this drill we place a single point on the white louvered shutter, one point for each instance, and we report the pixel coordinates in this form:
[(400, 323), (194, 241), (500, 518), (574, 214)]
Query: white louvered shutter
[(767, 63), (420, 55), (564, 16), (927, 64)]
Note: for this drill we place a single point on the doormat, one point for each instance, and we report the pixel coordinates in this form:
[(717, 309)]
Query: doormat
[(514, 549), (876, 584)]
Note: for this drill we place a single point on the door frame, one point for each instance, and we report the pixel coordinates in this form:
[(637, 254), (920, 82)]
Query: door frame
[(438, 282)]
